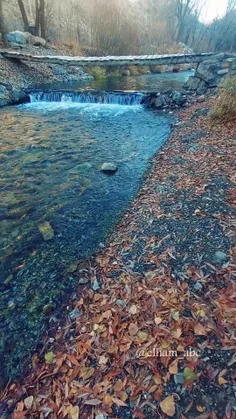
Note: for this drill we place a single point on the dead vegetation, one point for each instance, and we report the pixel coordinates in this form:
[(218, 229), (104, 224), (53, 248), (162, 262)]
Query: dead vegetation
[(225, 107)]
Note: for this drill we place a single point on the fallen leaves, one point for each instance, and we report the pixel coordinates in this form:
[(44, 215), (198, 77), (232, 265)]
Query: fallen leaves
[(109, 357), (73, 412), (168, 406)]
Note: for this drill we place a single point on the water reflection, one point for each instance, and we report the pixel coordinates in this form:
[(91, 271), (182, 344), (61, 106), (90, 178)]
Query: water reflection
[(145, 82)]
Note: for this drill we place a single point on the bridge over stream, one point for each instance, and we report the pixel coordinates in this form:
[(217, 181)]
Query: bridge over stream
[(112, 61)]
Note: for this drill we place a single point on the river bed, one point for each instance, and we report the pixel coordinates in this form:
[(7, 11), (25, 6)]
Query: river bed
[(50, 159)]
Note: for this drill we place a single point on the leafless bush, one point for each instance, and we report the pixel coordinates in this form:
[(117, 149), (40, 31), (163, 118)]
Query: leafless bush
[(225, 107)]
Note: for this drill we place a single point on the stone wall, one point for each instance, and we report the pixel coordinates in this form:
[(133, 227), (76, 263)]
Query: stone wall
[(209, 74)]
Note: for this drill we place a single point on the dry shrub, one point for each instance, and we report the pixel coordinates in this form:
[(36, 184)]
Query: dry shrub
[(97, 72), (225, 107), (135, 70), (159, 68)]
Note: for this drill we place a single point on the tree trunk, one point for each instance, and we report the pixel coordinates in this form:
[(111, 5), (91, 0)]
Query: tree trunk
[(37, 17), (2, 26), (42, 18), (24, 15)]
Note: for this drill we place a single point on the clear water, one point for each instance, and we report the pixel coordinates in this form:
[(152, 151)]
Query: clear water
[(50, 159), (143, 83)]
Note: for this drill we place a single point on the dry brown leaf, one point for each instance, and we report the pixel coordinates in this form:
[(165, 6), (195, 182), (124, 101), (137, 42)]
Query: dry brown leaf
[(142, 335), (133, 309), (118, 386), (93, 402), (173, 368), (107, 399), (221, 380), (168, 406), (158, 320), (133, 329), (73, 412), (28, 402), (199, 330), (118, 402)]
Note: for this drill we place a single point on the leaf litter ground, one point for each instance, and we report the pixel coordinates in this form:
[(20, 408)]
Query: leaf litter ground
[(154, 334)]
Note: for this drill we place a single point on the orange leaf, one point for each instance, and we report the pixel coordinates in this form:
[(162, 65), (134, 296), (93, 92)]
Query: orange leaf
[(118, 386), (20, 406), (158, 394), (173, 368), (199, 330), (168, 406), (107, 399), (200, 408), (19, 415), (221, 380)]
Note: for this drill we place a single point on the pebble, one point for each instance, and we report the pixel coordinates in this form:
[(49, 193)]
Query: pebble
[(11, 305), (120, 303), (179, 378), (219, 257), (96, 285), (46, 230), (72, 268), (83, 281), (198, 286), (74, 314), (108, 168), (8, 280)]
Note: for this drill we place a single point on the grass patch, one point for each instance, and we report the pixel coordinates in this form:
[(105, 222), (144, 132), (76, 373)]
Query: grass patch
[(225, 107)]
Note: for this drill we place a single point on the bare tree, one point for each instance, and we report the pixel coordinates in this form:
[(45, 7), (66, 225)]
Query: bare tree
[(24, 15), (2, 24), (42, 18)]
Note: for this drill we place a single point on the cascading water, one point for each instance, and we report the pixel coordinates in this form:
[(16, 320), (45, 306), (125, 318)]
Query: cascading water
[(99, 97)]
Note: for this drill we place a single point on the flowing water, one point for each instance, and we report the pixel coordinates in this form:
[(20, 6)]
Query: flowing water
[(51, 151)]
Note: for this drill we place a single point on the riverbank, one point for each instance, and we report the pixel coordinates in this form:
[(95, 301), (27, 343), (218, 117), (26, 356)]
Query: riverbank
[(152, 334), (15, 77)]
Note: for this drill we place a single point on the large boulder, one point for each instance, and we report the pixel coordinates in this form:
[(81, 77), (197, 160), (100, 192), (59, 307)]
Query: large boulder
[(10, 95), (208, 72), (25, 38), (160, 101), (5, 96), (195, 84), (18, 37), (38, 41)]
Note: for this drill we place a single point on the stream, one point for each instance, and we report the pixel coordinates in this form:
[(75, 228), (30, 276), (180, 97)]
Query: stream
[(51, 152)]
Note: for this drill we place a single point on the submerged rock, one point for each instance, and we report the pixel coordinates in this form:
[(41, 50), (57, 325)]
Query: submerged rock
[(46, 230), (109, 168), (83, 167)]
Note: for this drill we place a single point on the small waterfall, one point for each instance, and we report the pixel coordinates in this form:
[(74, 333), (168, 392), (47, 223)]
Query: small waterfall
[(100, 97)]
